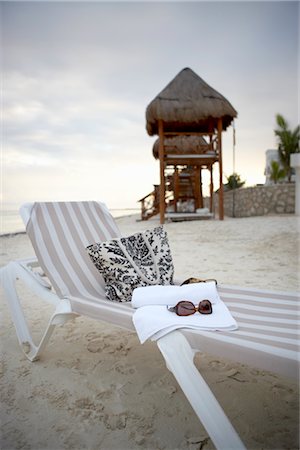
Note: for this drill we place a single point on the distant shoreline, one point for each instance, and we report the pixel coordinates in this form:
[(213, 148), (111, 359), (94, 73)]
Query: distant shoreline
[(12, 224)]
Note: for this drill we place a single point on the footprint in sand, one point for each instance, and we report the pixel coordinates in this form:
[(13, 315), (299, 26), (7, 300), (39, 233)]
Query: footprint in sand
[(87, 408), (115, 421), (96, 345), (124, 369), (108, 344)]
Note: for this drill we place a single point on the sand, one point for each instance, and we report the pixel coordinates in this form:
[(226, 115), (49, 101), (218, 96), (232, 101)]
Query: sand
[(95, 387)]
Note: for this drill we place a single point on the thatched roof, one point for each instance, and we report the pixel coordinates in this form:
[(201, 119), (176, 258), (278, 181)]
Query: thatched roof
[(188, 103), (181, 145)]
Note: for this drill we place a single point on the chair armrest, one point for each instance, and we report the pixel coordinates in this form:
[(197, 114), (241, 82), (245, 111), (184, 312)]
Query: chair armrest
[(29, 265)]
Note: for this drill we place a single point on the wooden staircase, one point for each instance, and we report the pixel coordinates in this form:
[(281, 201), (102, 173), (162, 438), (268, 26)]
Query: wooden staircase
[(150, 204)]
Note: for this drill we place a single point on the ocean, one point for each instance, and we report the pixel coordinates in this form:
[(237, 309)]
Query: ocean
[(11, 222)]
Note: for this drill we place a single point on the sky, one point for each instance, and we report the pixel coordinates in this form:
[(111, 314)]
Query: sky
[(78, 76)]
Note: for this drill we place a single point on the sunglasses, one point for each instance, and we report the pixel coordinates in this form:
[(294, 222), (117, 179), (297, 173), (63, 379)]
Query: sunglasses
[(199, 280), (186, 308)]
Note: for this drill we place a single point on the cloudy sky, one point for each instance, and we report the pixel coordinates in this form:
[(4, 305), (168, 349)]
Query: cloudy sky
[(78, 77)]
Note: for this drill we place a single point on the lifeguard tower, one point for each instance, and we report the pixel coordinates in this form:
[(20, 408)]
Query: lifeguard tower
[(189, 117)]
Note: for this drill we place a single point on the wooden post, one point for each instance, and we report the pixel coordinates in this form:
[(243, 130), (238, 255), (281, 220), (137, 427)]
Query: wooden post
[(221, 194), (162, 204), (210, 130), (197, 186), (143, 212), (200, 190), (176, 188)]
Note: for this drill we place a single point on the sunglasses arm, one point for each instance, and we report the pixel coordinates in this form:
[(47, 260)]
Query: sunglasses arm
[(179, 358)]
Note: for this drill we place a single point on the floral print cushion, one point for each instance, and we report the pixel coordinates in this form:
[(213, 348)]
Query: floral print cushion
[(141, 259)]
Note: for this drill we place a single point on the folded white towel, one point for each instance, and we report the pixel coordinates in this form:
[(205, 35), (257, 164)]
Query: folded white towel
[(171, 295), (156, 321)]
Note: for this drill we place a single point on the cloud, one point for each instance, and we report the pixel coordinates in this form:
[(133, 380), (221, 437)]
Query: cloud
[(67, 115), (78, 77)]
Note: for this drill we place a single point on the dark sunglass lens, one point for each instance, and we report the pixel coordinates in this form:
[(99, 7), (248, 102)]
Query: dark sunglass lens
[(205, 307), (185, 309)]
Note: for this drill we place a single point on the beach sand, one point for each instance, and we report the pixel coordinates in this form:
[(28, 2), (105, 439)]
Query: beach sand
[(95, 387)]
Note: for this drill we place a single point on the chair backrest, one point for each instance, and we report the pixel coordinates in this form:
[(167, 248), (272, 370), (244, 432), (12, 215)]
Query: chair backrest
[(60, 233)]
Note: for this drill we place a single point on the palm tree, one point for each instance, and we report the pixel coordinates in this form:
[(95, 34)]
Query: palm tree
[(234, 182), (277, 173), (288, 143)]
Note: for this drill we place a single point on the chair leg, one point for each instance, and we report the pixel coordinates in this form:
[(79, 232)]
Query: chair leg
[(179, 358), (32, 351), (62, 313)]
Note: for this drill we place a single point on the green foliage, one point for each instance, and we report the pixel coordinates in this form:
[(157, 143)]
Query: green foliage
[(234, 182), (288, 143), (277, 173)]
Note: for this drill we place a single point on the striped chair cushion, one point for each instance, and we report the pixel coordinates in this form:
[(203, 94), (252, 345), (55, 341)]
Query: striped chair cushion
[(59, 233)]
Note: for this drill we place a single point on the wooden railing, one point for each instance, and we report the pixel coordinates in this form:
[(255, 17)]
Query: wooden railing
[(150, 204)]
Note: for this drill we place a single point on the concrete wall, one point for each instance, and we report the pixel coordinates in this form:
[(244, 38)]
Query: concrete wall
[(259, 200)]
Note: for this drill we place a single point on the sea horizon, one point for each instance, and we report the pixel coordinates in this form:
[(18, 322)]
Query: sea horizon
[(11, 221)]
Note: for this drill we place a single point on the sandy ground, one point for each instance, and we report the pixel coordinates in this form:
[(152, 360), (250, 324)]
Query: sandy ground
[(96, 387)]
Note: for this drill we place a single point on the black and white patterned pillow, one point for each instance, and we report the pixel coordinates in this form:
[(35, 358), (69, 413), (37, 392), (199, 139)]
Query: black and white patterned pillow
[(141, 259)]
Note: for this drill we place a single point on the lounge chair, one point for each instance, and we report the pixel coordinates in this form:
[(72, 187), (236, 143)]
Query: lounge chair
[(266, 338)]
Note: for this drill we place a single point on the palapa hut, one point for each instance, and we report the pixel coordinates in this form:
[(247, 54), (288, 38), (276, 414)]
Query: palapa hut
[(188, 106)]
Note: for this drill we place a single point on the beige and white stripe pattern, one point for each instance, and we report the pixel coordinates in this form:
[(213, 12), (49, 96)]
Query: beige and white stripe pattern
[(60, 233), (268, 334)]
